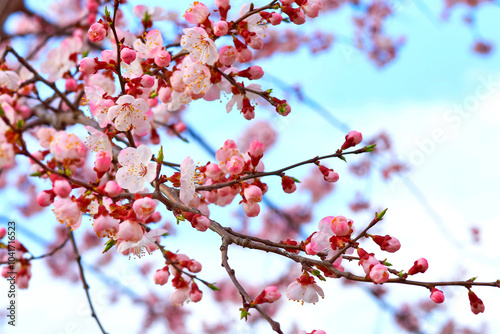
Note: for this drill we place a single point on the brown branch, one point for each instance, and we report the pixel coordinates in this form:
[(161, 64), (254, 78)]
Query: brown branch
[(118, 56), (276, 172), (52, 252), (78, 259), (252, 12), (246, 297)]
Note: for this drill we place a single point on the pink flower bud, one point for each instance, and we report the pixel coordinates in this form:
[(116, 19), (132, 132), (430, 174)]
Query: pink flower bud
[(194, 266), (252, 73), (3, 232), (288, 184), (97, 32), (437, 296), (161, 276), (244, 56), (102, 161), (275, 18), (213, 171), (227, 55), (177, 82), (331, 176), (379, 273), (353, 138), (221, 28), (197, 13), (312, 7), (387, 243), (147, 81), (256, 149), (130, 231), (476, 304), (201, 223), (420, 266), (128, 55), (299, 18), (253, 194), (164, 94), (251, 210), (45, 198), (88, 65), (163, 59), (235, 165), (195, 295), (341, 226), (112, 189), (105, 226), (62, 188), (71, 85), (268, 295), (144, 207), (180, 127)]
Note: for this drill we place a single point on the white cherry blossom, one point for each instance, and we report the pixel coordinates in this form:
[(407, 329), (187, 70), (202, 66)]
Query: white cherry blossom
[(201, 47), (137, 168)]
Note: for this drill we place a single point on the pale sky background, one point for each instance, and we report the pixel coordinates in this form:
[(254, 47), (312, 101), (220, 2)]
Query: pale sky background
[(410, 99)]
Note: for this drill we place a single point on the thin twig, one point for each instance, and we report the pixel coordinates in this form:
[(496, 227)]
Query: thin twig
[(78, 259)]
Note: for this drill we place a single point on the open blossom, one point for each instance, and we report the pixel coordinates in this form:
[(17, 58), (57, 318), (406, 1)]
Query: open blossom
[(146, 242), (137, 168), (105, 226), (305, 289), (202, 49), (67, 146), (98, 141), (152, 47), (60, 60), (7, 155), (9, 80), (196, 13), (238, 98), (188, 180), (196, 77), (67, 212), (131, 113), (155, 13)]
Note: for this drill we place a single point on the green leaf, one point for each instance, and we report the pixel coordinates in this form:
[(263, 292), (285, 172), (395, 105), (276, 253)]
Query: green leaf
[(2, 113), (36, 174), (370, 148), (244, 314), (213, 287), (381, 215), (20, 124), (85, 53), (109, 245), (388, 264), (160, 155), (294, 179), (147, 17), (67, 171), (341, 157), (106, 12)]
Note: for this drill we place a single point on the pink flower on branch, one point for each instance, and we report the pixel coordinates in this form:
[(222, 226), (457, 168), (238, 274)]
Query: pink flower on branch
[(304, 289), (131, 113), (202, 48), (137, 168)]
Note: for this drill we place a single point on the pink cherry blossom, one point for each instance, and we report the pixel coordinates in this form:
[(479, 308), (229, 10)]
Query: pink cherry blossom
[(201, 223), (62, 188), (221, 28), (3, 232), (45, 136), (420, 266), (128, 55), (179, 296), (45, 198), (146, 242), (112, 189), (253, 194), (9, 80), (137, 168), (188, 180), (379, 273), (227, 55), (105, 226), (196, 77), (437, 296), (163, 59), (67, 212), (476, 304), (88, 65), (131, 113), (312, 7), (201, 48), (97, 32), (152, 47), (67, 146), (59, 60), (161, 276), (7, 155), (235, 165), (353, 138), (155, 13), (194, 266), (197, 13), (238, 98), (144, 207), (268, 295), (102, 161), (251, 210), (387, 243), (130, 230), (304, 289), (98, 141)]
